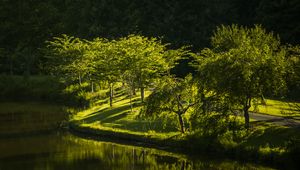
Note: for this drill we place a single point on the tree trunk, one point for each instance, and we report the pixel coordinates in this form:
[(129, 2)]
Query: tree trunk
[(110, 94), (79, 78), (142, 94), (123, 85), (92, 86), (263, 101), (246, 116), (246, 108), (112, 90), (131, 107), (181, 123), (142, 88), (133, 90)]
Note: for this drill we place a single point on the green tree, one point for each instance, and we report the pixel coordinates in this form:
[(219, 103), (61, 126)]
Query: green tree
[(293, 71), (172, 95), (68, 57), (145, 59), (24, 26), (245, 63), (105, 65)]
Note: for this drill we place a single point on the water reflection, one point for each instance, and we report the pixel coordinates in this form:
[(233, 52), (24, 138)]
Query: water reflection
[(28, 118), (63, 150)]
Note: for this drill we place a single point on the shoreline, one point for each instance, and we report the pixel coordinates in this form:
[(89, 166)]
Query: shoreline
[(124, 138), (240, 154), (188, 145)]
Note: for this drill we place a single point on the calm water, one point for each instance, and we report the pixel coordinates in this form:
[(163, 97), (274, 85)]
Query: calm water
[(62, 150)]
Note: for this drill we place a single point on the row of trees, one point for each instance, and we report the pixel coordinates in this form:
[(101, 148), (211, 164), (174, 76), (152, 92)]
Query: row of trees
[(136, 61), (243, 65)]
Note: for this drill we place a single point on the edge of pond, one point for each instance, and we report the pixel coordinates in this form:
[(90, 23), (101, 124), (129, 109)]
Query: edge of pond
[(126, 138), (182, 147)]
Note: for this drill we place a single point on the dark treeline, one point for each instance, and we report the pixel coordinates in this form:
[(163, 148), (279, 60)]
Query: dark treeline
[(26, 24)]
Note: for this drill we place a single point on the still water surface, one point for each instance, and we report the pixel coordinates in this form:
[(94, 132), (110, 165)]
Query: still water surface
[(63, 150)]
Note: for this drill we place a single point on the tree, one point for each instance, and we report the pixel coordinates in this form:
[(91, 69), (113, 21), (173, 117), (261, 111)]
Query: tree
[(144, 59), (172, 95), (68, 57), (24, 26), (293, 72), (105, 62), (136, 59), (245, 63)]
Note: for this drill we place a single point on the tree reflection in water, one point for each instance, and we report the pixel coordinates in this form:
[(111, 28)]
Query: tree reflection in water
[(65, 151)]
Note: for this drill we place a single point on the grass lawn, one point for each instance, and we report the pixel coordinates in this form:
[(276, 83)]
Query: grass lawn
[(279, 108), (265, 142), (266, 136), (123, 118)]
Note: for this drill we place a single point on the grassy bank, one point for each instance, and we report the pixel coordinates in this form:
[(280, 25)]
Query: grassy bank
[(123, 118), (266, 143)]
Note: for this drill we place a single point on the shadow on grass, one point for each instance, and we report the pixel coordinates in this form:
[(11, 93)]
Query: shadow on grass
[(146, 126), (116, 117), (272, 137), (289, 110), (118, 98), (288, 121), (121, 117), (106, 113)]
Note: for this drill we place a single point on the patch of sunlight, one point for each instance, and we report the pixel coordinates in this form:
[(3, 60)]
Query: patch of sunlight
[(121, 118), (278, 108), (150, 133)]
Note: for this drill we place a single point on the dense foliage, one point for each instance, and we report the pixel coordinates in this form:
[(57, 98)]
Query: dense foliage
[(172, 95), (241, 64), (136, 61), (244, 63), (26, 25), (196, 64)]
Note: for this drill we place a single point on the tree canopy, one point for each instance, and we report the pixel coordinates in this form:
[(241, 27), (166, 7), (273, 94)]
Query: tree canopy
[(26, 25), (244, 63), (135, 60), (172, 95)]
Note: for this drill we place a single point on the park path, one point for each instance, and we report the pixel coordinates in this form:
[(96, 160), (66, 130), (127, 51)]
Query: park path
[(278, 120)]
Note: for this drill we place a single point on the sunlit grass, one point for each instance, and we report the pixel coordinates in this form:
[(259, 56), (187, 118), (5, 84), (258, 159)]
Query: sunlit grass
[(278, 108), (268, 139), (123, 118), (263, 141)]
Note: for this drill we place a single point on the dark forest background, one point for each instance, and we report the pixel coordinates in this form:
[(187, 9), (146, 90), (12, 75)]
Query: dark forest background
[(25, 25)]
